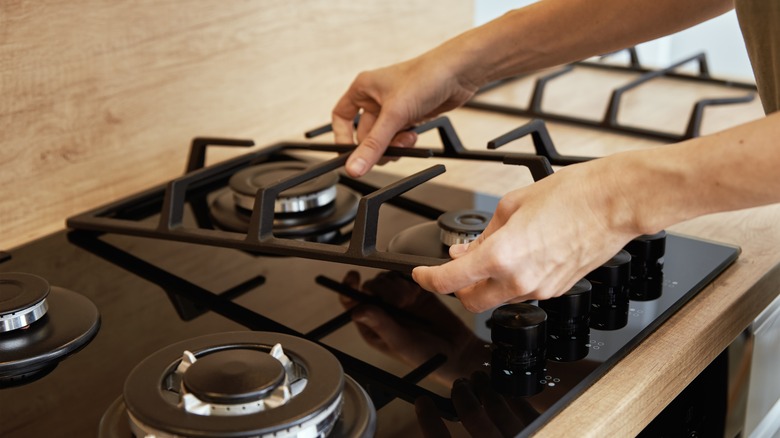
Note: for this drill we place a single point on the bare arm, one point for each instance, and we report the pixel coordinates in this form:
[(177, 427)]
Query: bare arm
[(553, 32), (544, 34)]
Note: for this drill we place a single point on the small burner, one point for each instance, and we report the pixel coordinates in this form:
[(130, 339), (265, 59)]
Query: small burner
[(22, 300), (462, 226), (433, 239), (314, 210), (41, 325), (241, 384)]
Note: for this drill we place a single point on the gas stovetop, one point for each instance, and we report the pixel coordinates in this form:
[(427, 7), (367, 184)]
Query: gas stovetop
[(269, 294)]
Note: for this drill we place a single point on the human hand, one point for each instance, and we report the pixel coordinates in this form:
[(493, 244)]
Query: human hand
[(423, 327), (541, 240), (392, 99)]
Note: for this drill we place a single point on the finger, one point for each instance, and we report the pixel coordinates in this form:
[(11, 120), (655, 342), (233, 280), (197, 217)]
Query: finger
[(454, 275), (367, 120), (370, 150), (485, 295), (458, 250), (428, 418), (472, 414), (496, 406), (404, 139), (342, 119)]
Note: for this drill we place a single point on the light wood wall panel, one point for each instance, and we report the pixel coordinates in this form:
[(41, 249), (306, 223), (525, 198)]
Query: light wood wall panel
[(100, 98)]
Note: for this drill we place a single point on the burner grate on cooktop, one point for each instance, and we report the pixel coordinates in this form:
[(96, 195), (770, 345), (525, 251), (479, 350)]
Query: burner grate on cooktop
[(609, 121), (128, 216)]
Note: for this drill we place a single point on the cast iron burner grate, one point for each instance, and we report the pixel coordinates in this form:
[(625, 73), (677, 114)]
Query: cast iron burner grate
[(128, 216), (609, 121)]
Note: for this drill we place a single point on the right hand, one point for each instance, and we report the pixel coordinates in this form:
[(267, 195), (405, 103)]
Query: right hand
[(393, 99)]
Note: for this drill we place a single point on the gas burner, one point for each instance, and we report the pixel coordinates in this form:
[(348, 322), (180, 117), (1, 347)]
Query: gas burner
[(39, 326), (314, 210), (240, 384), (433, 239), (22, 300)]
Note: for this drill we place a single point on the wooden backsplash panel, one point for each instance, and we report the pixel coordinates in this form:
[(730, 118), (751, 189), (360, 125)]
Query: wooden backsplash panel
[(100, 98)]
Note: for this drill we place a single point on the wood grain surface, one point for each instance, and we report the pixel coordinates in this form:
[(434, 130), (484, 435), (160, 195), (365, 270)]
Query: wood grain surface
[(101, 98)]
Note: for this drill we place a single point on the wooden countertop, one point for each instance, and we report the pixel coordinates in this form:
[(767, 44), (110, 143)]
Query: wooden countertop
[(631, 394)]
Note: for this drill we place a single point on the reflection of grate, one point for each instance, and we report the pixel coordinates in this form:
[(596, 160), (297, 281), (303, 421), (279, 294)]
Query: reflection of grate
[(610, 120), (383, 387), (135, 215)]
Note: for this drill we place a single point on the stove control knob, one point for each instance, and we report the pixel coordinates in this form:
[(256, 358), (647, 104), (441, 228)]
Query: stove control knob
[(609, 297), (462, 226), (519, 334), (647, 262), (647, 254), (568, 319)]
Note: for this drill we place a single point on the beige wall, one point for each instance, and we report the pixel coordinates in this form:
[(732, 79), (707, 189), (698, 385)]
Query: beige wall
[(100, 98)]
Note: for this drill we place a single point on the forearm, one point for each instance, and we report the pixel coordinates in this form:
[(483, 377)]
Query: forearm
[(553, 32), (733, 169)]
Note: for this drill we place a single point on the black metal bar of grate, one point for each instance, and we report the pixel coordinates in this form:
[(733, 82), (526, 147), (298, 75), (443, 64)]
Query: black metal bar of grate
[(610, 122), (452, 147), (172, 200)]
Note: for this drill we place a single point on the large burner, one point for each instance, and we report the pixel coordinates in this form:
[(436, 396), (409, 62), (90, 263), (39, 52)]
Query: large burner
[(39, 326), (241, 384), (314, 210)]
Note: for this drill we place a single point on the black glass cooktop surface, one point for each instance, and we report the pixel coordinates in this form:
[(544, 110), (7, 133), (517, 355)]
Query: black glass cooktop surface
[(400, 344)]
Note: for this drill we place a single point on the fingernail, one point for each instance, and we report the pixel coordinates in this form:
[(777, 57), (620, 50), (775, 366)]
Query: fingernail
[(357, 166), (459, 249)]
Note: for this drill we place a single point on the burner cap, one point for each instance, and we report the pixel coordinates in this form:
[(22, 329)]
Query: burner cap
[(462, 226), (314, 193), (308, 403), (234, 376), (22, 300)]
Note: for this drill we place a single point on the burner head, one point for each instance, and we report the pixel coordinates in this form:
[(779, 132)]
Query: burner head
[(22, 300), (433, 239), (234, 376), (242, 384), (462, 226), (314, 193), (45, 325), (315, 210)]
